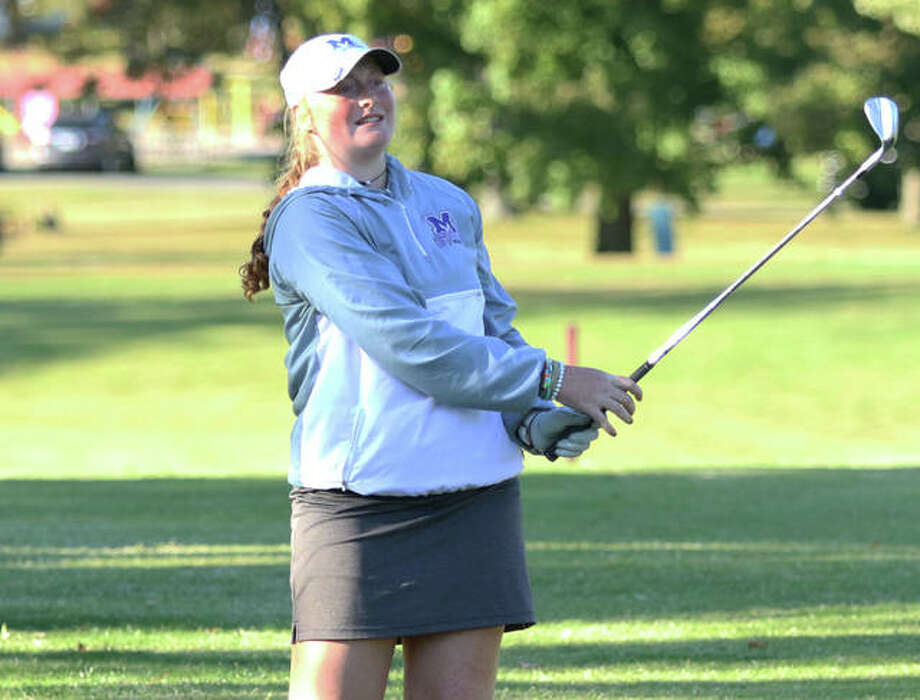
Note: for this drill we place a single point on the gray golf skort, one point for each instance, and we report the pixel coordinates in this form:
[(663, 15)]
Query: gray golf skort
[(365, 567)]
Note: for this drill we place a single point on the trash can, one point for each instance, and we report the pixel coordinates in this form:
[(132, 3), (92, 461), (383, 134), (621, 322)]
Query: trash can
[(662, 218)]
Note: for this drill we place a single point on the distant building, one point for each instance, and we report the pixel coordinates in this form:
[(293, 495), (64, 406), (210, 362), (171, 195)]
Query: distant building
[(189, 114)]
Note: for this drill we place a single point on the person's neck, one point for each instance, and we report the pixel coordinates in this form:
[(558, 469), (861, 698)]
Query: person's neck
[(370, 174), (378, 181)]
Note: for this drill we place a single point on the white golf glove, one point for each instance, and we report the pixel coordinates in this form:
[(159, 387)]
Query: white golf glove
[(558, 432)]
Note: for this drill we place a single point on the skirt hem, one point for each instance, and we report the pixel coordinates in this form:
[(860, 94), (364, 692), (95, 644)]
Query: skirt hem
[(345, 635)]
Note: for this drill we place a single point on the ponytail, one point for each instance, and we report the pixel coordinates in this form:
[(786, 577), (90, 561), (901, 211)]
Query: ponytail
[(301, 156)]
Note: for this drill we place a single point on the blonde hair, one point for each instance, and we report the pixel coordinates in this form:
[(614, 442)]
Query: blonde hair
[(300, 156)]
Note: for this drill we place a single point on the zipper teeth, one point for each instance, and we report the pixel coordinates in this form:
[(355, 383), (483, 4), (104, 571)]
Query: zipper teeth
[(412, 230)]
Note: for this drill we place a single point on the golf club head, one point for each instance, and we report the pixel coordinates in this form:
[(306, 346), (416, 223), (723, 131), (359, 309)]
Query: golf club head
[(882, 113)]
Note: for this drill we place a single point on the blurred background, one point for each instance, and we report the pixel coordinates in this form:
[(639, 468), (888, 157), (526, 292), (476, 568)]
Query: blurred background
[(753, 534), (631, 159), (583, 105)]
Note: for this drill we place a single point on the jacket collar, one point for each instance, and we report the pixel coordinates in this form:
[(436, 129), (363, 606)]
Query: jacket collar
[(327, 176)]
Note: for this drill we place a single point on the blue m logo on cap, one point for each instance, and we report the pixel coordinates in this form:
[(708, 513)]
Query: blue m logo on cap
[(345, 42), (442, 228)]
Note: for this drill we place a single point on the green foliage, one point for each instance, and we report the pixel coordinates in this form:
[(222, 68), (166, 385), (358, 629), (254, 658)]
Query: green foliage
[(149, 33), (805, 68), (583, 94), (429, 42), (905, 14), (547, 103)]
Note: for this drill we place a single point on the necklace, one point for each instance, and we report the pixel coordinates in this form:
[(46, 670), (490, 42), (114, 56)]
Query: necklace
[(367, 183)]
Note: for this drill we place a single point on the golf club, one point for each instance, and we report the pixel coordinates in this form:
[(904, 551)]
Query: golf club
[(882, 114)]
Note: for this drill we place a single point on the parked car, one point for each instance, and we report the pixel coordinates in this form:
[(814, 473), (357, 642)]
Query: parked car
[(87, 142)]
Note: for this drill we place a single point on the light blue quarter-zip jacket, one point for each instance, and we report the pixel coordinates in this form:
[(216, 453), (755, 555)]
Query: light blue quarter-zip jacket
[(404, 370)]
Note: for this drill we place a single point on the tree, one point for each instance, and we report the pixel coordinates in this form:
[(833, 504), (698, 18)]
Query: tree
[(903, 57), (162, 34), (550, 103), (589, 94), (423, 32), (11, 26), (546, 102), (20, 21), (904, 14), (805, 68)]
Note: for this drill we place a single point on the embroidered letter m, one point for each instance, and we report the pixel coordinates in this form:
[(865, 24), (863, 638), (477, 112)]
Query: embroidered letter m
[(342, 43), (442, 228), (442, 223)]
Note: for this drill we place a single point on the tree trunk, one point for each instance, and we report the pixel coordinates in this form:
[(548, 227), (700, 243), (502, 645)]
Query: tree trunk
[(15, 34), (614, 230)]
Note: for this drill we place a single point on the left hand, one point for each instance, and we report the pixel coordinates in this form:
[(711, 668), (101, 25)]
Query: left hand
[(548, 426)]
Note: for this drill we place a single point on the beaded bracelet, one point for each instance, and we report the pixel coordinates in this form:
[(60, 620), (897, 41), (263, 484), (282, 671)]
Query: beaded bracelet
[(552, 369), (548, 379)]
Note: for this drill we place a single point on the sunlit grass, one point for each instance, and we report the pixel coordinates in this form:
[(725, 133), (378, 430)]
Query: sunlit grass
[(801, 366), (143, 443), (142, 555), (729, 584)]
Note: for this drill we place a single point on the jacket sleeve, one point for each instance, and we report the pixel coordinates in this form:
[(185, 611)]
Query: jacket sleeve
[(317, 254), (499, 316)]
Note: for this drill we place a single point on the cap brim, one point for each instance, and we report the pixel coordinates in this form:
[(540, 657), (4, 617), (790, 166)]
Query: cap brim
[(387, 60)]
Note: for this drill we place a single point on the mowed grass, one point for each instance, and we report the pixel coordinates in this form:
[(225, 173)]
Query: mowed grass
[(754, 534)]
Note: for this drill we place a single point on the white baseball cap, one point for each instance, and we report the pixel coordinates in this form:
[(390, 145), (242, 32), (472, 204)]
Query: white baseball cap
[(323, 61)]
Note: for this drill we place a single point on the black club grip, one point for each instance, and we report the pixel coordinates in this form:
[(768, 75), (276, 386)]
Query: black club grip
[(641, 371)]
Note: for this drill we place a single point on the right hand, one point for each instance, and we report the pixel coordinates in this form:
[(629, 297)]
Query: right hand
[(594, 392)]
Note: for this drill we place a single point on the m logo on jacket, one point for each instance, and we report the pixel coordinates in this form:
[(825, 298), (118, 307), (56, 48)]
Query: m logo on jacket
[(442, 229)]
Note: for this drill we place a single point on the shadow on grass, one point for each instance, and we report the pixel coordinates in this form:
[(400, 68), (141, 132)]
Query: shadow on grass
[(39, 331), (168, 674), (219, 557), (621, 546), (212, 553), (884, 648), (756, 298)]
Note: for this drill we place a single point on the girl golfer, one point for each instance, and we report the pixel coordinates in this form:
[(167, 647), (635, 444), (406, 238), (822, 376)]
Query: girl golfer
[(413, 394)]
